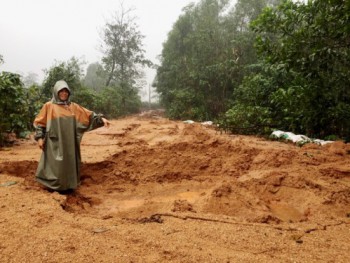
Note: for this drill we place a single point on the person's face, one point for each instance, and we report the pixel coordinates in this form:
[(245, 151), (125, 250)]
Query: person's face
[(63, 94)]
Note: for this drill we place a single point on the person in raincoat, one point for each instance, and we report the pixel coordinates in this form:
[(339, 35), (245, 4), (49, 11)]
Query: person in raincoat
[(59, 128)]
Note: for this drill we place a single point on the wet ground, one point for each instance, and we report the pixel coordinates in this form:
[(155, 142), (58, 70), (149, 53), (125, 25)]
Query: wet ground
[(155, 190)]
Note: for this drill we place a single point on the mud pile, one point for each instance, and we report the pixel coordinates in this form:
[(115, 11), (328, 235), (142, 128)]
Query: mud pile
[(145, 169), (248, 178)]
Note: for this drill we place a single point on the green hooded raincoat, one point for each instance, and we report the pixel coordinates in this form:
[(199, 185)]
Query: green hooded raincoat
[(62, 124)]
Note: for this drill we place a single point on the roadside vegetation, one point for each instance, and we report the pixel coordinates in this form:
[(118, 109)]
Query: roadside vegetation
[(251, 66)]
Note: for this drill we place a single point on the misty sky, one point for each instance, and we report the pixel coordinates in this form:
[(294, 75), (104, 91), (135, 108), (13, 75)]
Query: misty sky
[(36, 33)]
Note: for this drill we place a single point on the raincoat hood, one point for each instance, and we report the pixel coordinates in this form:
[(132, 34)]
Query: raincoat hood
[(60, 85)]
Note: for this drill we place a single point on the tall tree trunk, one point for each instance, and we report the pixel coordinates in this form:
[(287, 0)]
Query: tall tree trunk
[(110, 75)]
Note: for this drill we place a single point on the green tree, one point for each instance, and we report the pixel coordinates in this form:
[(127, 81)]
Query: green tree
[(196, 61), (33, 100), (206, 56), (124, 57), (12, 105), (308, 45), (122, 50), (70, 71), (95, 77)]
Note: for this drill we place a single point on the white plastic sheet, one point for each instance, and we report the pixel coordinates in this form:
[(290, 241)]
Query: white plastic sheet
[(296, 138)]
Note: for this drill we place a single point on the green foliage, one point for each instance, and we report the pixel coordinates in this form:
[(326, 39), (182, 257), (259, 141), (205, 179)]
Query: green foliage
[(70, 71), (252, 112), (286, 67), (87, 98), (195, 62), (12, 104), (34, 100), (308, 46), (184, 106), (95, 77), (247, 120), (120, 69), (206, 56), (110, 102), (114, 103), (122, 64), (130, 101), (122, 49)]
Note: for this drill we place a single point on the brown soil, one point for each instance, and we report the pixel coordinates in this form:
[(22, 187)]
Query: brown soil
[(155, 190)]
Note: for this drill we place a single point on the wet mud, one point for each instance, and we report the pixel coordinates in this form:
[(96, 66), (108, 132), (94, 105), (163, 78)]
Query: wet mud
[(152, 170)]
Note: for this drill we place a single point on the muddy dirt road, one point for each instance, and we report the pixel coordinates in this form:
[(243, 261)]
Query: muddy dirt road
[(155, 190)]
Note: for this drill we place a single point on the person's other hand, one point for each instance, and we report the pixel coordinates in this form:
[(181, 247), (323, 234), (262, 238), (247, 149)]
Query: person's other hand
[(106, 122), (41, 144)]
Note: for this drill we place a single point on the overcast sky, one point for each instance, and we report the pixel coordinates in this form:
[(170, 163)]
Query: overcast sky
[(36, 33)]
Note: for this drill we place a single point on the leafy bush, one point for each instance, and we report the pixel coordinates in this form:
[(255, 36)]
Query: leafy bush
[(12, 105), (244, 119)]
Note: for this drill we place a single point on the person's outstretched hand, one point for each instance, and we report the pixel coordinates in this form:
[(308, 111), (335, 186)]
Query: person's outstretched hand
[(41, 143), (106, 123)]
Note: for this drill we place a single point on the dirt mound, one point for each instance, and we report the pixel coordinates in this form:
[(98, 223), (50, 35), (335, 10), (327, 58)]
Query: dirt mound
[(147, 169)]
